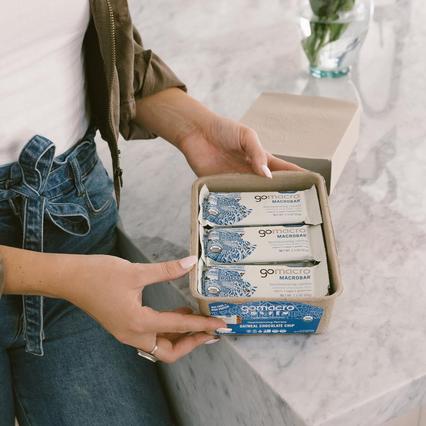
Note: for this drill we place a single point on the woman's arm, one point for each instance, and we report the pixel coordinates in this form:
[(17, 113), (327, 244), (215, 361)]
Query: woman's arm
[(211, 144), (33, 273), (172, 114), (109, 289)]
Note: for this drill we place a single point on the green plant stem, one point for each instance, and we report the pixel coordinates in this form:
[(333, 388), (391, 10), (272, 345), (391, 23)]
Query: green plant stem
[(323, 29)]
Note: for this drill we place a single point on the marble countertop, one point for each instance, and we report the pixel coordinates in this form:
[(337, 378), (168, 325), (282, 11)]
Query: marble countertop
[(371, 364)]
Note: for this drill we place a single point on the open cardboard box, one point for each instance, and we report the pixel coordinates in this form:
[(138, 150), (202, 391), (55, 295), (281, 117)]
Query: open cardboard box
[(316, 133), (317, 310)]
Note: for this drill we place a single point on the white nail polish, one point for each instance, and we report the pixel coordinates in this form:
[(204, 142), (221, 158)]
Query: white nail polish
[(266, 171), (210, 342), (188, 262), (224, 330)]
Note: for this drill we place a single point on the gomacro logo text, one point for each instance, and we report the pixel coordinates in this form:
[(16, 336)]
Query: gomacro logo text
[(264, 272), (279, 231), (263, 309), (273, 197)]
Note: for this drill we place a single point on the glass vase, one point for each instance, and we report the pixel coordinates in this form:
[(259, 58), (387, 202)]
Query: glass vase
[(332, 34)]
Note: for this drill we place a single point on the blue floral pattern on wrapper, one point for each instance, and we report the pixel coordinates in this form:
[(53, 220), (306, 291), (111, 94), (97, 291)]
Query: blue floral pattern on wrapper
[(226, 283), (224, 209), (227, 246)]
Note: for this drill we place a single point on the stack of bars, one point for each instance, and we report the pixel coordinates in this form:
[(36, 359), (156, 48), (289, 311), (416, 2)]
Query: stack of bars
[(262, 244)]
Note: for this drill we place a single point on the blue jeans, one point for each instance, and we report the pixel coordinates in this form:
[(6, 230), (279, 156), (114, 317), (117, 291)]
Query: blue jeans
[(57, 365)]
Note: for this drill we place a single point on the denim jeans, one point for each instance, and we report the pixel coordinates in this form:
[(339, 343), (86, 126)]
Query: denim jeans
[(57, 365)]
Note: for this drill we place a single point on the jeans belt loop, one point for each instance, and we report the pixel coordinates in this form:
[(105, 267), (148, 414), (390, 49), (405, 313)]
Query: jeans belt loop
[(76, 171)]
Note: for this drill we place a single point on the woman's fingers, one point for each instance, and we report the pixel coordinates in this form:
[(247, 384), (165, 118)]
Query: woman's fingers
[(261, 161), (152, 273), (171, 351), (174, 336), (183, 310), (173, 322), (251, 146), (277, 164)]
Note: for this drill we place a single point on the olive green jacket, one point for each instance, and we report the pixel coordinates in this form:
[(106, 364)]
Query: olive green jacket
[(119, 72)]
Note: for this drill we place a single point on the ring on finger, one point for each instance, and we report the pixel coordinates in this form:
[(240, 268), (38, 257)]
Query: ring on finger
[(155, 349), (149, 355)]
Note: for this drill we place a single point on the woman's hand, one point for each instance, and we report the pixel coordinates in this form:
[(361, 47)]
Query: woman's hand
[(211, 144), (225, 146), (110, 291)]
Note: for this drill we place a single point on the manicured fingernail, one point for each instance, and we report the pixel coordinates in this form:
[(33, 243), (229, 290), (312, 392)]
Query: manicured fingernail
[(223, 330), (188, 262), (210, 342), (266, 171)]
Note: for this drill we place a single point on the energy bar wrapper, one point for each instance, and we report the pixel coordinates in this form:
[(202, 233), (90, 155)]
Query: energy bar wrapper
[(272, 281), (259, 208), (262, 244)]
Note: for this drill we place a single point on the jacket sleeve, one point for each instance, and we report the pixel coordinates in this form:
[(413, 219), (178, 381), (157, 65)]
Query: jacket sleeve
[(150, 75)]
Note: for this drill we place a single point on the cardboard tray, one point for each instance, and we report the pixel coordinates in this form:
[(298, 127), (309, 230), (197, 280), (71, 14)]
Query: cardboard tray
[(282, 181)]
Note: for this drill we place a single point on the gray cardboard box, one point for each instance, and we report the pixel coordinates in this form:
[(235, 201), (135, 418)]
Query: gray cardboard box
[(316, 133), (321, 307)]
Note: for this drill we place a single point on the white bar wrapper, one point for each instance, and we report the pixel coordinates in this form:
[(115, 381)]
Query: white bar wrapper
[(273, 281), (259, 208), (262, 244)]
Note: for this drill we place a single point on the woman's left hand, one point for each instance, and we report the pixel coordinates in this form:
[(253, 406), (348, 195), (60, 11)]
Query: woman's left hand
[(211, 144), (225, 146)]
